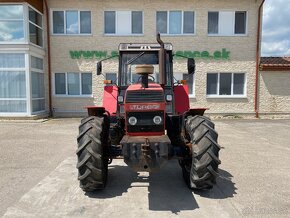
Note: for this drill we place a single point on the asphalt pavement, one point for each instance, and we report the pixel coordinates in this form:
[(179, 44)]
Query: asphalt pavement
[(38, 177)]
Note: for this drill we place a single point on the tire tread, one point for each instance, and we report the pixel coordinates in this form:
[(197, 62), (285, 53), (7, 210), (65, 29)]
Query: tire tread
[(205, 152), (92, 164)]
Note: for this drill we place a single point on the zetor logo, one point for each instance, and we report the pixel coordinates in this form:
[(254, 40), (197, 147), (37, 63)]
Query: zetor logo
[(145, 107)]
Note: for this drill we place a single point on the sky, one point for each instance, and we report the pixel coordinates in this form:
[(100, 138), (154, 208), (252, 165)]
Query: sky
[(276, 28)]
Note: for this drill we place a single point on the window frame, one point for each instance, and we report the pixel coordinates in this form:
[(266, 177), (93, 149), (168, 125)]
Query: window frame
[(36, 70), (182, 23), (64, 25), (66, 86), (30, 22), (116, 17), (232, 86), (233, 27)]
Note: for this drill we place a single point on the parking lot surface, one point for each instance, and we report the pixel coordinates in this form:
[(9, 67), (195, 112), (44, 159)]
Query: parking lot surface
[(38, 177)]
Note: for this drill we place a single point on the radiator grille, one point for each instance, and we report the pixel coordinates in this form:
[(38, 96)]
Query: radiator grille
[(144, 96)]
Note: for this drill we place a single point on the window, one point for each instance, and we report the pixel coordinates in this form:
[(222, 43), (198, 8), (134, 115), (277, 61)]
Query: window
[(225, 84), (112, 76), (136, 78), (240, 22), (12, 83), (123, 22), (37, 84), (85, 22), (35, 27), (211, 84), (175, 22), (213, 22), (71, 22), (156, 77), (73, 84), (110, 22), (161, 21), (11, 23), (227, 23), (60, 84), (86, 79)]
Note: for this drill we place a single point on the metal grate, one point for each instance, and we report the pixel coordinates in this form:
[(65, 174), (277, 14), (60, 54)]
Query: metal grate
[(144, 96)]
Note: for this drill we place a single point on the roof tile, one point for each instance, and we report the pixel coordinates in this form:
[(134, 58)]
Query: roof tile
[(275, 63)]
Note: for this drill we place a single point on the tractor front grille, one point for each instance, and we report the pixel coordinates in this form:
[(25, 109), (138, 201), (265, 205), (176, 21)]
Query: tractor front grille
[(144, 96)]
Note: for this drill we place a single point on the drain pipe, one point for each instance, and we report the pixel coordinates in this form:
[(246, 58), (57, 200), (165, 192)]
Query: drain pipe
[(258, 59), (48, 58)]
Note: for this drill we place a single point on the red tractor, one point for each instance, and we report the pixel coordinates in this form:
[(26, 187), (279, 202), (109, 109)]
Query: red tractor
[(146, 119)]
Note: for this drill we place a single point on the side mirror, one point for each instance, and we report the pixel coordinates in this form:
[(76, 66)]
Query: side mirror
[(191, 66), (99, 68)]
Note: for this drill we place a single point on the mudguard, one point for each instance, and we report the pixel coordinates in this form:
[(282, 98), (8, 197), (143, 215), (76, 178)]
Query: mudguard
[(181, 98), (110, 99)]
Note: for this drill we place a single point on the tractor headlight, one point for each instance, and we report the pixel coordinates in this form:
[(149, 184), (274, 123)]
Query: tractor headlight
[(168, 97), (157, 120), (132, 121)]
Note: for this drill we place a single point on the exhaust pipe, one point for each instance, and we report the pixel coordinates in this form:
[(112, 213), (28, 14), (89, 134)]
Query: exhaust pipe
[(162, 58)]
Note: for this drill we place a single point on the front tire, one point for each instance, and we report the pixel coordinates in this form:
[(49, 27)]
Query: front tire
[(92, 164), (205, 153)]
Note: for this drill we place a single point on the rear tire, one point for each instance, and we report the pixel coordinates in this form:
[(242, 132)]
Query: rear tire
[(201, 171), (92, 143)]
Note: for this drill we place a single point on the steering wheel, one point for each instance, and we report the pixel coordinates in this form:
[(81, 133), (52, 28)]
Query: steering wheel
[(153, 79)]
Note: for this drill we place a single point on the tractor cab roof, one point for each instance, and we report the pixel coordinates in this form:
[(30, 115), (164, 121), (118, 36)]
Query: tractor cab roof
[(143, 47)]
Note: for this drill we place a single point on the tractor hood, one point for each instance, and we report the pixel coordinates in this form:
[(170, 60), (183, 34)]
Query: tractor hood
[(138, 94)]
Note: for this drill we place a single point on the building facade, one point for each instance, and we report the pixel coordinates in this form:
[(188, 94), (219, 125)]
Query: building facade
[(49, 51), (22, 59), (274, 87)]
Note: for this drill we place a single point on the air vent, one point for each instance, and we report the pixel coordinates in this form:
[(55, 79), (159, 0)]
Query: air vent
[(144, 96)]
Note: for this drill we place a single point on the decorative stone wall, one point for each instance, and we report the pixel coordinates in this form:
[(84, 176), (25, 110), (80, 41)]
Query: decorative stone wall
[(274, 96)]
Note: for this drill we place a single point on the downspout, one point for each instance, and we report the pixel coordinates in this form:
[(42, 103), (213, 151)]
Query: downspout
[(48, 58), (258, 60)]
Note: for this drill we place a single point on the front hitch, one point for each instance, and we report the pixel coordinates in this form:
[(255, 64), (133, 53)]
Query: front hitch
[(147, 154)]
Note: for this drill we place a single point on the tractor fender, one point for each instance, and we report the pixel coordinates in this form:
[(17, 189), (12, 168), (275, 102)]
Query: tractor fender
[(182, 105), (195, 111), (109, 103), (95, 111), (181, 98), (110, 99)]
